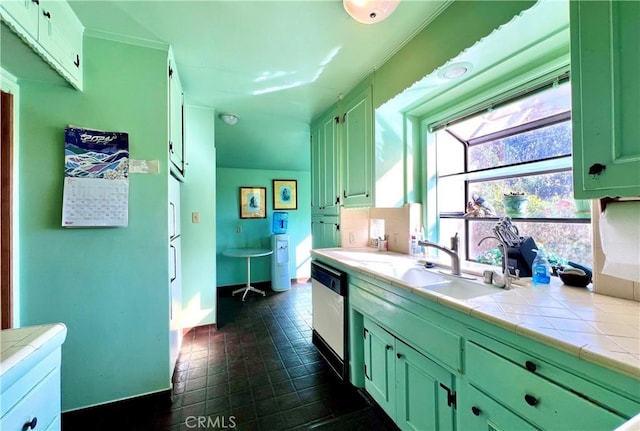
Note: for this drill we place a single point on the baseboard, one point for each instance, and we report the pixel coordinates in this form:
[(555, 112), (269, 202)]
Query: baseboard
[(78, 419)]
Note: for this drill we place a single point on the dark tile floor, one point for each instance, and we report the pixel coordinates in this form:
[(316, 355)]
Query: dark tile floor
[(257, 371)]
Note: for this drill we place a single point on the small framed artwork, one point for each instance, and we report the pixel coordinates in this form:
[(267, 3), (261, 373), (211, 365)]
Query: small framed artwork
[(285, 194), (253, 202)]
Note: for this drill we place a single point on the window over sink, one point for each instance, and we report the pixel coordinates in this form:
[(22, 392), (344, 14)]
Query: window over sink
[(511, 158)]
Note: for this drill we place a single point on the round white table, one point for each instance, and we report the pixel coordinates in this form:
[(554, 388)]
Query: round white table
[(247, 253)]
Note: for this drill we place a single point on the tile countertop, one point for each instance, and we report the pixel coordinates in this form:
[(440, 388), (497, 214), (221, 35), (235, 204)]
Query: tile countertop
[(18, 345), (597, 328)]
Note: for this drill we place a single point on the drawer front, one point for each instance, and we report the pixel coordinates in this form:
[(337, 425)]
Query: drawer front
[(425, 336), (13, 393), (42, 403), (591, 385), (478, 411), (534, 398)]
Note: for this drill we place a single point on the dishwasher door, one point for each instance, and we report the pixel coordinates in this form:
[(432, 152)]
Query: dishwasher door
[(329, 315)]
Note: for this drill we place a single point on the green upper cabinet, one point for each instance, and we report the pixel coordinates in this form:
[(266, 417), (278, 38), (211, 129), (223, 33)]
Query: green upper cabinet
[(325, 195), (176, 119), (605, 63), (357, 158), (51, 28)]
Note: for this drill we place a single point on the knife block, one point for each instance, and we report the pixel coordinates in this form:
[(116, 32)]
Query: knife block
[(521, 257)]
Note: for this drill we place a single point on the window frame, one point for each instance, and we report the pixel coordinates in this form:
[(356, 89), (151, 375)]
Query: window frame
[(563, 163)]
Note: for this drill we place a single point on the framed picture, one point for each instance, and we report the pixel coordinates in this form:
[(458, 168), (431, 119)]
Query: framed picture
[(253, 202), (285, 194)]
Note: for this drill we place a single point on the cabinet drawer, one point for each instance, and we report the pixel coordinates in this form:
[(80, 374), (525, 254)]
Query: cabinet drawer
[(41, 403), (538, 400), (606, 388), (13, 391)]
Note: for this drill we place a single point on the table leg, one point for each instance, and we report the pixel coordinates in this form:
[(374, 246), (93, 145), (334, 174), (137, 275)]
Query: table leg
[(248, 286)]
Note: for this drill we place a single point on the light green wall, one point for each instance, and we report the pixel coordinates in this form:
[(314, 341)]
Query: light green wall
[(109, 285), (198, 194), (457, 28), (256, 233)]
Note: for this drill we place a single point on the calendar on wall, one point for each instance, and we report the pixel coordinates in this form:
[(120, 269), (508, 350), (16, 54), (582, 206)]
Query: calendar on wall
[(96, 182)]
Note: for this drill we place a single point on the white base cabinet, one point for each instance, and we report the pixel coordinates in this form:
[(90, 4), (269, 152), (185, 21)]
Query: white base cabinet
[(30, 377)]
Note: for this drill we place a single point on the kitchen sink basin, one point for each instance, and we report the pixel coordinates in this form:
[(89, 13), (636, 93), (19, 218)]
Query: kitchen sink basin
[(462, 289), (418, 276)]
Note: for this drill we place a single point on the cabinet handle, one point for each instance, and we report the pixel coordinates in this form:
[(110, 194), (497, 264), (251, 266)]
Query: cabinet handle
[(597, 169), (344, 194), (476, 411), (31, 424), (531, 400), (77, 62), (531, 366), (47, 14), (389, 347), (399, 355), (35, 1)]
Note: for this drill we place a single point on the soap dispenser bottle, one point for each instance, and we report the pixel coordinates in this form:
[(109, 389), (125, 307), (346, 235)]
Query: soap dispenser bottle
[(541, 269)]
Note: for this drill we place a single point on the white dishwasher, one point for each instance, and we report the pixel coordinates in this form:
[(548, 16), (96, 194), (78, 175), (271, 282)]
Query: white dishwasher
[(330, 320)]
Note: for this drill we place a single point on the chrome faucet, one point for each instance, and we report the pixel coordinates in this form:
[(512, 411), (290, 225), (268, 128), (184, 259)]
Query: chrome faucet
[(506, 274), (453, 252)]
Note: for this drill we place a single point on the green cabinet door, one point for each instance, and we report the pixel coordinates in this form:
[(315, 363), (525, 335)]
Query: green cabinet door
[(176, 120), (357, 150), (479, 412), (415, 392), (379, 366), (605, 65), (325, 232), (425, 392), (325, 197)]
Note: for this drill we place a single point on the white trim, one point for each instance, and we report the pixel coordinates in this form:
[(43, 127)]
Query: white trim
[(130, 40)]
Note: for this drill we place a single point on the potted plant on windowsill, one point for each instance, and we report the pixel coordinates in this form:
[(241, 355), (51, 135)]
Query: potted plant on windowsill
[(515, 203)]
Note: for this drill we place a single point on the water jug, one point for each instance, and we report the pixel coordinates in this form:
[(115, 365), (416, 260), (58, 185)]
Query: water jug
[(280, 222)]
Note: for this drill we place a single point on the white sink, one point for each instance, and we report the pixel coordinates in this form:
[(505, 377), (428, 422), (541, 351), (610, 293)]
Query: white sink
[(462, 289), (435, 281), (418, 276)]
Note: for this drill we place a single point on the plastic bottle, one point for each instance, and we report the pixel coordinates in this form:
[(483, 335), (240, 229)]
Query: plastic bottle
[(541, 269), (413, 246)]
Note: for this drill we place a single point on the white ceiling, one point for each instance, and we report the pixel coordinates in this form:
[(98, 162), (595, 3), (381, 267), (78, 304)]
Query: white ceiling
[(275, 64)]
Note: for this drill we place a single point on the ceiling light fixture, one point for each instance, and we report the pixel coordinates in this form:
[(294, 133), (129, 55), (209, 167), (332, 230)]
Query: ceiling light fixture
[(229, 119), (370, 11), (455, 70)]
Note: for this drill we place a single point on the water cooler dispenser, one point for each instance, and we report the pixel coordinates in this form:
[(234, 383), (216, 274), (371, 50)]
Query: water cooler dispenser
[(280, 277)]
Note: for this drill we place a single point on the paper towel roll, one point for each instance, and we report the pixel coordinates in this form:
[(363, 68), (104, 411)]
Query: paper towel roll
[(620, 238)]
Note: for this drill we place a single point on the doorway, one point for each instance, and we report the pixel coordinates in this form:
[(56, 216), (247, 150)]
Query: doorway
[(6, 210)]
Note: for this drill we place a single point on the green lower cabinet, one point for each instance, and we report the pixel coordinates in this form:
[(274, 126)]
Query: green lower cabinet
[(415, 392), (540, 401), (477, 411), (379, 366)]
